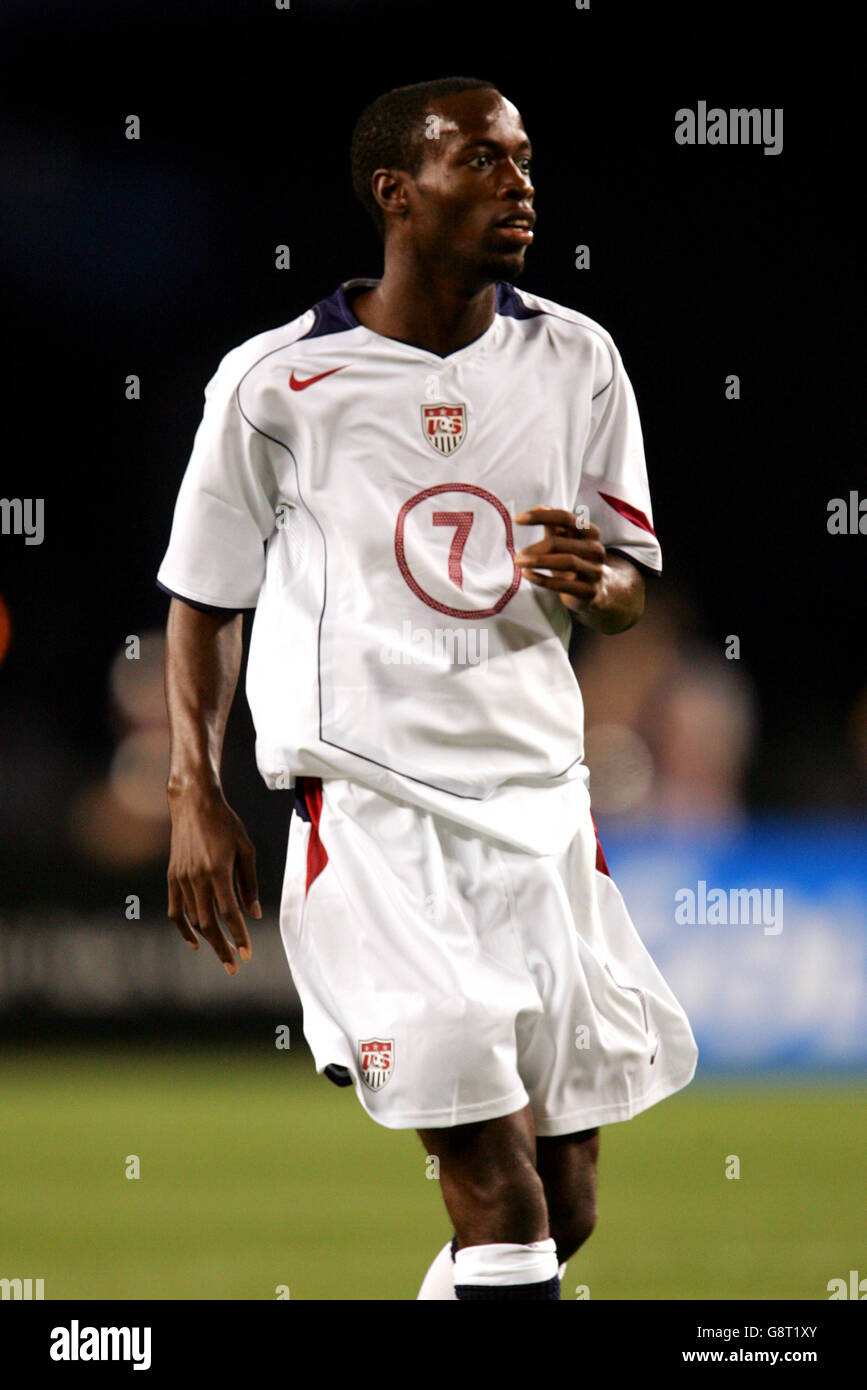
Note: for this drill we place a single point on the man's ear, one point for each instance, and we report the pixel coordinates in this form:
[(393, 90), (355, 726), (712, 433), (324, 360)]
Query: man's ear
[(389, 189)]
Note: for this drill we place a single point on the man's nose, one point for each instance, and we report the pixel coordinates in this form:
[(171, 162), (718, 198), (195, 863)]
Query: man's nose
[(518, 180)]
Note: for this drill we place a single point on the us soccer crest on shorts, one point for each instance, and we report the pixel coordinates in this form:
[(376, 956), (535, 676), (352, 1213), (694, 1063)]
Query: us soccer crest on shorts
[(376, 1057)]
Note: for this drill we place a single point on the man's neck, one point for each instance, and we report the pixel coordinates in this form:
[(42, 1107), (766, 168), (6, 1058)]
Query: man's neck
[(426, 309)]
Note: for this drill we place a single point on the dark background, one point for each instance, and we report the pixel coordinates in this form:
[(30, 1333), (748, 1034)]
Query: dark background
[(156, 256)]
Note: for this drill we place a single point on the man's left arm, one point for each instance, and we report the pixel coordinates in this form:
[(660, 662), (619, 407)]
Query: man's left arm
[(601, 590)]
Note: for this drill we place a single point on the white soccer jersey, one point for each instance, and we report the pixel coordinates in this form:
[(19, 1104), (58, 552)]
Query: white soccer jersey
[(359, 493)]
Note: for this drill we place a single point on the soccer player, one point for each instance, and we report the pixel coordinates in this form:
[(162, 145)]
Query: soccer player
[(419, 485)]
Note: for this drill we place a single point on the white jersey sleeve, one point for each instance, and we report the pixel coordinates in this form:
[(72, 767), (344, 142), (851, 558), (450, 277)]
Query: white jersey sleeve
[(614, 485), (226, 506)]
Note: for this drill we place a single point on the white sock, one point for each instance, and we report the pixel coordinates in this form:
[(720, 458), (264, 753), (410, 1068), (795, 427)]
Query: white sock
[(439, 1282), (500, 1265)]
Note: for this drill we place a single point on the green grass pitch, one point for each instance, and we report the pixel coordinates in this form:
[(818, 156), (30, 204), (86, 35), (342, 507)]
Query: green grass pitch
[(255, 1173)]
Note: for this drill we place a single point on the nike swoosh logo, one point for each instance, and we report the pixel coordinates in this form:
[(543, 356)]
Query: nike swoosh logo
[(297, 385)]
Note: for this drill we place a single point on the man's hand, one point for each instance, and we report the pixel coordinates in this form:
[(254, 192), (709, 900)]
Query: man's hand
[(210, 848), (210, 851), (602, 591)]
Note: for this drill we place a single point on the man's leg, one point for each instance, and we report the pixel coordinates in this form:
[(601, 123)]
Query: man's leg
[(496, 1200), (489, 1181), (567, 1167)]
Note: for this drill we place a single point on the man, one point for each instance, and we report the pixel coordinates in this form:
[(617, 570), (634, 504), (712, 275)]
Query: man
[(419, 485)]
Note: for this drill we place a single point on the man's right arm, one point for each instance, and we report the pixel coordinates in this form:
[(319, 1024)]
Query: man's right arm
[(212, 871)]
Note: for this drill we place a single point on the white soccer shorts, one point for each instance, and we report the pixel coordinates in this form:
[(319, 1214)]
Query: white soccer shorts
[(458, 980)]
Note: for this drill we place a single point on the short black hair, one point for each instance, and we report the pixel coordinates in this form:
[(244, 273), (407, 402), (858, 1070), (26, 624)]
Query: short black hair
[(389, 133)]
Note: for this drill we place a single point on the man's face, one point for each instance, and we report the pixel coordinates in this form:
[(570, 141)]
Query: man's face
[(475, 176)]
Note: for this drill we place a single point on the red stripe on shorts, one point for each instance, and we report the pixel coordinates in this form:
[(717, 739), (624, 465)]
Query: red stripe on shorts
[(601, 861), (317, 855)]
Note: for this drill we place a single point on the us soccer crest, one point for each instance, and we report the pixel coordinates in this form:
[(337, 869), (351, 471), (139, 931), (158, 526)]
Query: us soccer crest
[(376, 1056), (444, 427)]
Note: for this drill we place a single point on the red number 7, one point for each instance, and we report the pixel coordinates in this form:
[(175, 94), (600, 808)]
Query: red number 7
[(462, 522)]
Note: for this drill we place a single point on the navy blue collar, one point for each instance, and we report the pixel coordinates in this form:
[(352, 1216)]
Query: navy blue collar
[(335, 315)]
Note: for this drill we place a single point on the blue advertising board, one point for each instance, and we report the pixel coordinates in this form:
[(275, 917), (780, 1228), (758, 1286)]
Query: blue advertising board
[(761, 931)]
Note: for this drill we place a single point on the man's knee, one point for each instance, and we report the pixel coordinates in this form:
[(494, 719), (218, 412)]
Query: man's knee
[(496, 1187), (574, 1225), (497, 1203), (568, 1168), (489, 1181)]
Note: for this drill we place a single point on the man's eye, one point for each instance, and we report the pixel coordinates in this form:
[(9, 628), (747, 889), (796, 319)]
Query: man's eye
[(475, 159)]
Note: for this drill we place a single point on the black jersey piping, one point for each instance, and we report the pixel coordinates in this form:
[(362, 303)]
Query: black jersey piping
[(203, 607), (639, 564)]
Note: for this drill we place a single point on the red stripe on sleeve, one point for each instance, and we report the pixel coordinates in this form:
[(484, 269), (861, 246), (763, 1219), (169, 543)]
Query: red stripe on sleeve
[(629, 512)]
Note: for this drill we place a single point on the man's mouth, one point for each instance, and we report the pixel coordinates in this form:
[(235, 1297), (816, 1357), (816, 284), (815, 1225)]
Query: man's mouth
[(518, 227)]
